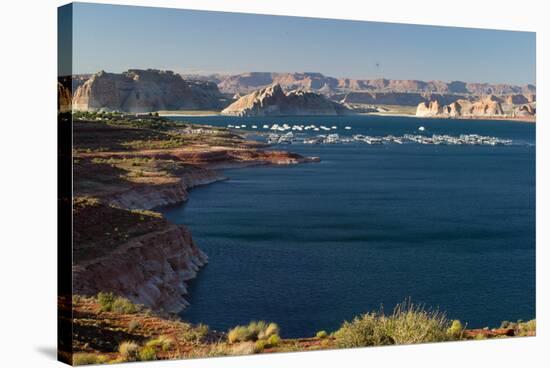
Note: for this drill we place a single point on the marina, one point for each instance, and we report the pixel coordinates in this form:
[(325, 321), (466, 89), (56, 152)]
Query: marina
[(435, 139)]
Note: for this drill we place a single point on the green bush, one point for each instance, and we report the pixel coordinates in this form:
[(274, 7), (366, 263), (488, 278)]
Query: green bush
[(259, 345), (88, 358), (106, 301), (110, 303), (162, 342), (129, 351), (366, 330), (273, 340), (256, 330), (480, 336), (147, 353), (195, 334), (456, 329), (123, 305), (321, 334)]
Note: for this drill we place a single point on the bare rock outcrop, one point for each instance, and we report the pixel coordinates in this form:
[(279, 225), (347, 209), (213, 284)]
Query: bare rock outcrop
[(489, 106), (167, 258), (273, 101), (63, 98), (145, 91)]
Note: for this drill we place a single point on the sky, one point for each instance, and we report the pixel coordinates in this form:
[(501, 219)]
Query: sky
[(116, 38)]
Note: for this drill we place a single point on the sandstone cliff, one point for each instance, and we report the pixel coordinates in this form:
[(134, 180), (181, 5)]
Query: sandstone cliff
[(395, 98), (169, 259), (145, 91), (273, 101), (317, 82), (63, 98), (489, 106)]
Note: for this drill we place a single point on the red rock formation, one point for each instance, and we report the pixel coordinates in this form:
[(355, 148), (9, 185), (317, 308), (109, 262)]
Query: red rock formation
[(167, 259), (484, 107), (273, 101), (144, 91)]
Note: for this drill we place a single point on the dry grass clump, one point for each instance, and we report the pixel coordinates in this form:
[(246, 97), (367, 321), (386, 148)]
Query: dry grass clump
[(196, 334), (256, 330), (147, 353), (129, 351), (89, 358), (244, 348), (528, 328), (321, 334), (456, 330), (162, 342), (408, 324), (111, 303)]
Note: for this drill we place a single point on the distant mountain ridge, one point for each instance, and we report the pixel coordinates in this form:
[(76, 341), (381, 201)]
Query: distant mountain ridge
[(317, 82), (153, 90)]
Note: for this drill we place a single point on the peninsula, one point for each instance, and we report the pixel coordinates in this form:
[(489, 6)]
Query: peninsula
[(124, 166)]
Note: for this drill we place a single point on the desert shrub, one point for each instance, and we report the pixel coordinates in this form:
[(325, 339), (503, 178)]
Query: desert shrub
[(526, 328), (412, 324), (88, 358), (508, 324), (133, 325), (195, 334), (273, 340), (147, 353), (321, 334), (271, 329), (123, 305), (239, 333), (408, 324), (162, 342), (217, 350), (106, 301), (259, 345), (256, 330), (366, 330), (456, 329), (244, 348), (129, 351)]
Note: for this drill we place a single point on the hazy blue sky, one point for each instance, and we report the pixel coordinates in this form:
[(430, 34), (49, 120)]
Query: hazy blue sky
[(116, 38)]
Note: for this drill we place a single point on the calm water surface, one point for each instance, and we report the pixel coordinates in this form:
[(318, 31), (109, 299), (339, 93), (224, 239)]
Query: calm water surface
[(311, 245)]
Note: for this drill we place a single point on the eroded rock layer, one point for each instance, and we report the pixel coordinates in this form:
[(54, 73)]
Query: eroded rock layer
[(144, 91), (273, 101)]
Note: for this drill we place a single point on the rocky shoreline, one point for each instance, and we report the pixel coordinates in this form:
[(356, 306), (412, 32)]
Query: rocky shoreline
[(120, 245)]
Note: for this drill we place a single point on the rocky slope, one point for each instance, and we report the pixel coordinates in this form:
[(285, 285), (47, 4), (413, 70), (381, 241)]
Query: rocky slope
[(123, 167), (273, 101), (144, 91), (150, 268)]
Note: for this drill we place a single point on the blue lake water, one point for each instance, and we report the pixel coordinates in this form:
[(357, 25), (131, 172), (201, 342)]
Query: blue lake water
[(312, 245)]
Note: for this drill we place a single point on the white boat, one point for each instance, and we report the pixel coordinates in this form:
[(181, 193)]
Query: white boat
[(421, 128)]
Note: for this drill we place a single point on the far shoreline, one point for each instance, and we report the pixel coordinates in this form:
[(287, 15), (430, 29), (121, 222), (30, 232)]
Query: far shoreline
[(199, 113)]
